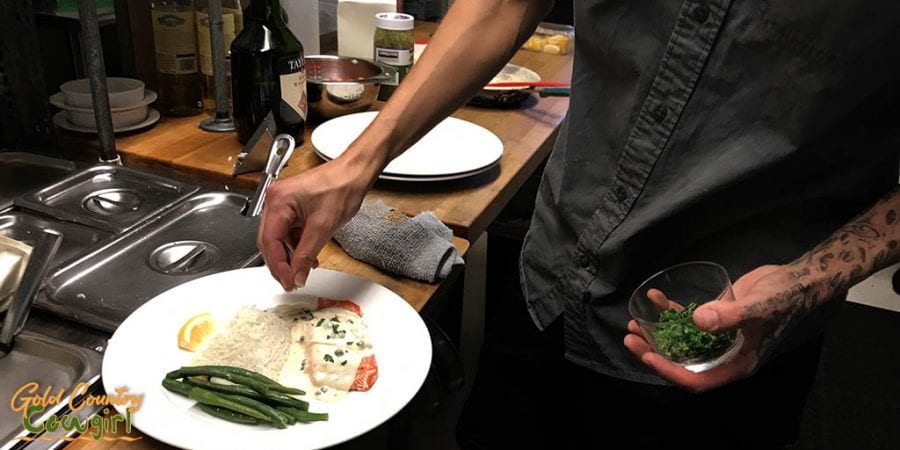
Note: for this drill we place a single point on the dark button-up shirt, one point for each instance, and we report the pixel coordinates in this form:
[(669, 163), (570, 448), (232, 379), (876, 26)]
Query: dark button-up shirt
[(741, 132)]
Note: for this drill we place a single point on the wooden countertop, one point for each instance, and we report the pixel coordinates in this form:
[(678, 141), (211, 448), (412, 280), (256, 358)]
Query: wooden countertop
[(467, 206)]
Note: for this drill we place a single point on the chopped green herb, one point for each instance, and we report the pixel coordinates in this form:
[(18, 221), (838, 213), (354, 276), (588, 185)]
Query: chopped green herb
[(328, 358), (321, 321), (335, 319), (344, 363), (679, 339)]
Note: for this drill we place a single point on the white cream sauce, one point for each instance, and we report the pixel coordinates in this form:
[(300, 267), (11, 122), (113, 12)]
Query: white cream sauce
[(326, 349)]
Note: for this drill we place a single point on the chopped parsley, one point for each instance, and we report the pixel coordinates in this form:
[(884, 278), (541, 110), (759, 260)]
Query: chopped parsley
[(321, 321), (328, 358), (344, 363), (335, 319), (679, 339)]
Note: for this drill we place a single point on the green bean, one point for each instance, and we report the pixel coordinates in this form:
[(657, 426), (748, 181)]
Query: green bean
[(303, 416), (283, 400), (258, 392), (277, 417), (287, 390), (177, 387), (229, 373), (229, 415), (203, 370), (237, 389), (213, 398)]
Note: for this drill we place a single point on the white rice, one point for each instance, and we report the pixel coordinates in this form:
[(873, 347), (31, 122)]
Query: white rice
[(254, 340)]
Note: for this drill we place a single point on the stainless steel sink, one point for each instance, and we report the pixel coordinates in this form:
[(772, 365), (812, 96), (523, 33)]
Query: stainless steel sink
[(128, 235), (47, 362), (107, 197), (205, 234), (23, 172)]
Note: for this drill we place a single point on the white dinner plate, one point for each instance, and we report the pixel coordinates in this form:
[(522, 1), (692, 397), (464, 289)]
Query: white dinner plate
[(451, 177), (60, 120), (144, 348), (453, 147)]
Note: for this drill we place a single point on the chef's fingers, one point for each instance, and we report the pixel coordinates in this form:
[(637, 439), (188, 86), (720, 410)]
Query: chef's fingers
[(293, 239), (316, 232), (637, 345), (633, 327), (728, 372), (662, 302), (273, 230)]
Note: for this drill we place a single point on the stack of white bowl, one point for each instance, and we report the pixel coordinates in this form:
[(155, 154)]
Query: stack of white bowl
[(129, 102)]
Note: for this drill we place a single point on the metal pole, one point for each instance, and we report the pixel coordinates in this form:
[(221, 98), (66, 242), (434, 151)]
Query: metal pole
[(221, 121), (96, 72)]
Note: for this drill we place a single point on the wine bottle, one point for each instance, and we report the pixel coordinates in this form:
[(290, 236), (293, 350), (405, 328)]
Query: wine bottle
[(178, 75), (232, 23), (268, 72)]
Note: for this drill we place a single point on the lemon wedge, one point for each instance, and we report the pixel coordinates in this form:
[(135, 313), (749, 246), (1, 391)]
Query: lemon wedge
[(195, 331)]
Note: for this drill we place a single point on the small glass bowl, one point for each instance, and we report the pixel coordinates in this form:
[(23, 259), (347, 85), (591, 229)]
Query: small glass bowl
[(680, 287)]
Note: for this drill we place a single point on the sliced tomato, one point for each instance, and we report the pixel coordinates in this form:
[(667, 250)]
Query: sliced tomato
[(366, 374), (346, 304)]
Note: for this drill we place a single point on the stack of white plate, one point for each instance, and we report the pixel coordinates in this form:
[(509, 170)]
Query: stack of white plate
[(452, 150), (129, 102)]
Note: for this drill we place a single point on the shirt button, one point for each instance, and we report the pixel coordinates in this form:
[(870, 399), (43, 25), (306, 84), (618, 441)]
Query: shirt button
[(584, 260), (659, 113), (700, 13), (621, 194)]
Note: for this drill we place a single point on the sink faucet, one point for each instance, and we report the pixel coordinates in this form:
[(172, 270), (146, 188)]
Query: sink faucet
[(37, 266)]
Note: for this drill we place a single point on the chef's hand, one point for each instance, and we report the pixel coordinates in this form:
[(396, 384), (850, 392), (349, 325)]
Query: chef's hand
[(303, 211), (768, 301)]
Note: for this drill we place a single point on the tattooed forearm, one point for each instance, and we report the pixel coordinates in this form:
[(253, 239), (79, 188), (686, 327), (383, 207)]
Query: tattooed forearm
[(794, 303), (866, 244), (863, 246)]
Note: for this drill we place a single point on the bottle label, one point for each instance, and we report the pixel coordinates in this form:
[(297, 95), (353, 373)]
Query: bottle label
[(399, 59), (232, 24), (174, 38), (292, 74)]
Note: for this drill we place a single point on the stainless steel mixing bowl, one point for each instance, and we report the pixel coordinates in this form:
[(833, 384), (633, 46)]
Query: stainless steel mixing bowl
[(338, 85)]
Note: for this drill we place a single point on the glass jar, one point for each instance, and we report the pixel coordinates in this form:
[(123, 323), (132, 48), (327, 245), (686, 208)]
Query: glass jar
[(394, 46)]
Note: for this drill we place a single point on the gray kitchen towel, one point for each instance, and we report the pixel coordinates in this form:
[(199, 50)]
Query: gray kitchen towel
[(419, 247)]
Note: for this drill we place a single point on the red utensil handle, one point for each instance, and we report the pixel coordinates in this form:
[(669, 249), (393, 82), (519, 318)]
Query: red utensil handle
[(512, 84)]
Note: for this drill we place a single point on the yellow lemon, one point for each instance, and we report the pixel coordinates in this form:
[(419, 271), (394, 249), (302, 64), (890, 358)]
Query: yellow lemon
[(195, 330)]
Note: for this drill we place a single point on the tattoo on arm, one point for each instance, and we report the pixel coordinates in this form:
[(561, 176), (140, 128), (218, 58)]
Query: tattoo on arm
[(866, 244)]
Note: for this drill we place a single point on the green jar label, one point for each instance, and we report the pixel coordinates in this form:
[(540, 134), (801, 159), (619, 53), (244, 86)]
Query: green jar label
[(399, 59)]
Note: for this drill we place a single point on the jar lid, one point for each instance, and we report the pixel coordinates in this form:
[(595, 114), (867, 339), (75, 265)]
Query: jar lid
[(394, 21)]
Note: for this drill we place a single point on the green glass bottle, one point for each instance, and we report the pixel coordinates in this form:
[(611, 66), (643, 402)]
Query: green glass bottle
[(268, 72)]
